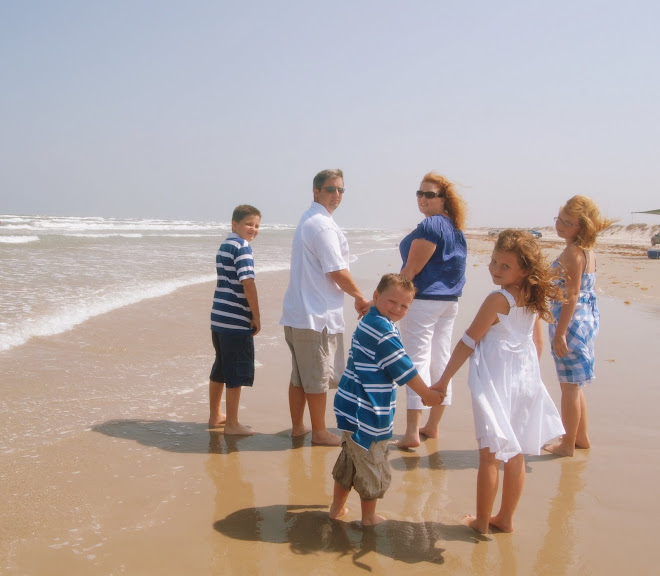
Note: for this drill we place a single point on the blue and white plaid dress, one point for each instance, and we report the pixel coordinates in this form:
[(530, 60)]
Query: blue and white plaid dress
[(577, 366)]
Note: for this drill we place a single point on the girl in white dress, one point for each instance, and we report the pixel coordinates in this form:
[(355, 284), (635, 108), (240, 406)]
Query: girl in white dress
[(513, 412)]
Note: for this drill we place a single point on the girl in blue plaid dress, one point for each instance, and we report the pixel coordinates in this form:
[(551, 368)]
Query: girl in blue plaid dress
[(576, 319)]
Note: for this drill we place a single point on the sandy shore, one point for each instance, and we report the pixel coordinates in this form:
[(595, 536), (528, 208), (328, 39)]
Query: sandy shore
[(148, 489)]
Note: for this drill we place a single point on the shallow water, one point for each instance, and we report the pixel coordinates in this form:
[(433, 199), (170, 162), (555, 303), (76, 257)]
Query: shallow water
[(107, 467)]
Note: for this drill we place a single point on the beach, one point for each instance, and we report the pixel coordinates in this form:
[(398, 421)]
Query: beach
[(107, 465)]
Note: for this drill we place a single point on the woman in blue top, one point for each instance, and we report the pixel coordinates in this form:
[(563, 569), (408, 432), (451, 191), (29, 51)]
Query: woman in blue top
[(433, 257)]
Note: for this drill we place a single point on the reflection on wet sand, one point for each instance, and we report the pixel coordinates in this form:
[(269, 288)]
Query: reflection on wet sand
[(557, 553)]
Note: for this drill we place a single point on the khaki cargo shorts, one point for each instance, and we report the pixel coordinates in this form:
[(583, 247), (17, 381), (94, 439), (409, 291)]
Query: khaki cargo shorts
[(317, 358), (368, 471)]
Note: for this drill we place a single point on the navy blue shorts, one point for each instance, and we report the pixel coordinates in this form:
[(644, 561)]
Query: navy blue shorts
[(234, 359)]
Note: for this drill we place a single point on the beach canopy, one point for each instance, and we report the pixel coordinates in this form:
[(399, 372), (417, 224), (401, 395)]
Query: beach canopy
[(649, 212)]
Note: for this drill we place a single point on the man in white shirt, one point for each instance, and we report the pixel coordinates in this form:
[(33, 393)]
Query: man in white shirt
[(313, 317)]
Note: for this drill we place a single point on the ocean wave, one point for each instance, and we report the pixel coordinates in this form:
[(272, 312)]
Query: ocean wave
[(68, 317), (18, 239), (108, 235)]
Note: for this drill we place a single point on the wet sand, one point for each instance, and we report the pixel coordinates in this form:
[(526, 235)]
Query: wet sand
[(148, 489)]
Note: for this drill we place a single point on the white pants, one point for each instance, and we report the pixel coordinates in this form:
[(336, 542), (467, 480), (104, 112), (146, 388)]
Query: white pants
[(426, 334)]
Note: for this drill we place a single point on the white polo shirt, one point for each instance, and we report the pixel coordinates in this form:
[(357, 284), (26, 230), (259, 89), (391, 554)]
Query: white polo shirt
[(313, 300)]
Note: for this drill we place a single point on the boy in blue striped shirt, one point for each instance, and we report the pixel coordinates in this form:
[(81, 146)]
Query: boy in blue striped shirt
[(365, 401), (235, 320)]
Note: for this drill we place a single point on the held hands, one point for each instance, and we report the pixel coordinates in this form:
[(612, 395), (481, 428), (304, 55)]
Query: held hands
[(433, 398), (362, 306), (439, 388)]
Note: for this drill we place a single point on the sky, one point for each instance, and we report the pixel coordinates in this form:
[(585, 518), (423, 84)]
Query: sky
[(182, 110)]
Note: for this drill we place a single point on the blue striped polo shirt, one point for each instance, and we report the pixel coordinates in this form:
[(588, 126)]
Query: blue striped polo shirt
[(377, 363), (231, 313)]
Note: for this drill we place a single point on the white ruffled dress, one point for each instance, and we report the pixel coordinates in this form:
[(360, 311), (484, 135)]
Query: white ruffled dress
[(513, 412)]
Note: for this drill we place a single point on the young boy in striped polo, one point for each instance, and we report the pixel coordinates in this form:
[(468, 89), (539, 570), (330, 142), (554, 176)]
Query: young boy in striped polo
[(365, 401), (235, 320)]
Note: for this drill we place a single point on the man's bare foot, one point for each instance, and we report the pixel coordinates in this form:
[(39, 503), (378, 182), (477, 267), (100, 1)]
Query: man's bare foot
[(471, 522), (373, 520), (429, 432), (560, 449), (300, 431), (238, 429), (501, 524), (407, 442), (326, 438), (217, 422), (334, 514)]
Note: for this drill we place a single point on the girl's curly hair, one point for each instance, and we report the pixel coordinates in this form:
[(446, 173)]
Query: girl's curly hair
[(589, 218), (539, 286)]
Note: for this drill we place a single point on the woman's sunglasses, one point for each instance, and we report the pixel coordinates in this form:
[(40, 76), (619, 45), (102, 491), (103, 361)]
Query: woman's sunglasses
[(430, 195)]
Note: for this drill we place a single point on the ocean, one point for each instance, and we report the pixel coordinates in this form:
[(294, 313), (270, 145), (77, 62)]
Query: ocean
[(58, 272)]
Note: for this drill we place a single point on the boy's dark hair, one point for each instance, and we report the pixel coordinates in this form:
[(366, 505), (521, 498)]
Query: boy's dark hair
[(243, 211), (390, 280)]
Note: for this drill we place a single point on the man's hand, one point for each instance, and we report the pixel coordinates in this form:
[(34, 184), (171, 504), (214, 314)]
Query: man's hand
[(361, 306)]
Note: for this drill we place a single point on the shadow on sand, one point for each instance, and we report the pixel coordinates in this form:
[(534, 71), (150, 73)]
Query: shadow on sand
[(308, 530), (197, 438)]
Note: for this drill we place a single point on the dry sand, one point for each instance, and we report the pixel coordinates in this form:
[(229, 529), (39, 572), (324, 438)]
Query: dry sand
[(164, 495)]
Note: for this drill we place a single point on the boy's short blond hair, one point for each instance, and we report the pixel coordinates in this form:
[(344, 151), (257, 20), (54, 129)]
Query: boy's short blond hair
[(243, 211), (390, 280)]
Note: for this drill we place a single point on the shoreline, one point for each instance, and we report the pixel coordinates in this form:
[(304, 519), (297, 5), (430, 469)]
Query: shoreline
[(143, 474)]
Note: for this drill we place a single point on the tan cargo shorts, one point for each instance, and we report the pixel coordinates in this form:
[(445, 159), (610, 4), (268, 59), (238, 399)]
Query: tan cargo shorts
[(368, 471)]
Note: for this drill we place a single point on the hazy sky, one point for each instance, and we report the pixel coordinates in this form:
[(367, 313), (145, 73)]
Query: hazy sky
[(135, 108)]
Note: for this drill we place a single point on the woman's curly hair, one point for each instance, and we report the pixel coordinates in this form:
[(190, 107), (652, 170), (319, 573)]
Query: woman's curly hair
[(540, 284), (454, 203)]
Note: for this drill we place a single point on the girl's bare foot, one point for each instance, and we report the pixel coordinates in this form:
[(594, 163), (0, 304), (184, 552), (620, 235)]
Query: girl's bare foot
[(501, 524), (326, 438), (429, 431), (583, 443), (471, 522), (300, 431), (334, 514), (238, 429), (407, 441), (373, 520), (560, 449)]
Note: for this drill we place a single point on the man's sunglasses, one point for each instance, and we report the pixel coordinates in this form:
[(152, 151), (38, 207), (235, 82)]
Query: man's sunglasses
[(333, 189)]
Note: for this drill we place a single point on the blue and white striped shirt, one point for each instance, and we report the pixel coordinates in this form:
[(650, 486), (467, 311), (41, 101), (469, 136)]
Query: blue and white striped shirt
[(231, 313), (377, 363)]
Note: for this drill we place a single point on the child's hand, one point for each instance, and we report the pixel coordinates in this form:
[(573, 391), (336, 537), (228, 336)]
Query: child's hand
[(256, 326), (441, 387), (434, 398), (559, 345)]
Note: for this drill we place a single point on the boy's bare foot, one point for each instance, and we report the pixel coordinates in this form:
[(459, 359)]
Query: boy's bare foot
[(407, 442), (471, 522), (326, 438), (373, 520), (217, 422), (334, 514), (238, 429), (429, 432), (560, 449), (300, 431)]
